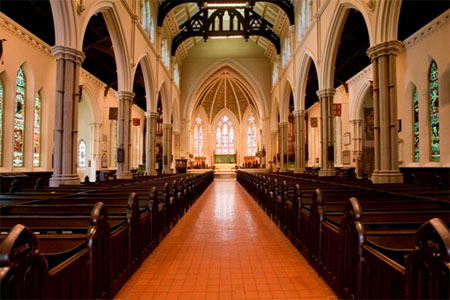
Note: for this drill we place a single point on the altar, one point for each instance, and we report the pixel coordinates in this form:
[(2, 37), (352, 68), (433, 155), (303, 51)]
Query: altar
[(224, 159)]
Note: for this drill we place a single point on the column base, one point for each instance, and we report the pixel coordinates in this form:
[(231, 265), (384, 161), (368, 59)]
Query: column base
[(58, 180), (324, 173), (388, 176), (124, 175), (151, 173), (300, 171)]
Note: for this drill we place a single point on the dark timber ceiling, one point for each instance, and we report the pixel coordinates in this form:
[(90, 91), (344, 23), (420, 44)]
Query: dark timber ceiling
[(36, 16)]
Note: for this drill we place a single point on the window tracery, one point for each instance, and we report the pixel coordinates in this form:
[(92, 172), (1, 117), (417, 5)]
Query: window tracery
[(19, 120), (225, 136), (434, 112), (251, 136), (37, 132)]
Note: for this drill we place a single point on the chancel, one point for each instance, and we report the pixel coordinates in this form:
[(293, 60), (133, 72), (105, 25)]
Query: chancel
[(224, 149)]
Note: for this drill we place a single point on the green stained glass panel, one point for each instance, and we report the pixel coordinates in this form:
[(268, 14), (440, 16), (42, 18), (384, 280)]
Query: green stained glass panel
[(434, 112), (19, 120)]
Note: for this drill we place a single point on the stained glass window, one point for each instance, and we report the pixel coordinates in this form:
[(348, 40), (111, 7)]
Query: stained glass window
[(286, 52), (37, 132), (251, 136), (82, 154), (416, 125), (1, 123), (225, 136), (198, 138), (304, 18), (19, 120), (274, 74), (434, 112), (165, 53), (147, 19), (176, 75)]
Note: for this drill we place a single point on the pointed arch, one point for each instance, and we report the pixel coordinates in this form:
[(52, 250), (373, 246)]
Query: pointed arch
[(253, 87), (307, 59), (356, 112), (165, 101), (149, 80), (387, 21), (65, 22), (326, 71), (286, 88), (94, 105), (119, 42)]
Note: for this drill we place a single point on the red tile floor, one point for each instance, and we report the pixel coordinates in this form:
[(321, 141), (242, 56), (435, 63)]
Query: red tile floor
[(225, 247)]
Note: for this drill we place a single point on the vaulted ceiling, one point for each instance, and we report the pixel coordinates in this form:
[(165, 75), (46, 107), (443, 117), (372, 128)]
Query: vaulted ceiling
[(36, 16), (270, 12), (226, 90)]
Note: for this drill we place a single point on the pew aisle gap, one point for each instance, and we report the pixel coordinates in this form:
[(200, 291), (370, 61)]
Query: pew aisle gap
[(225, 247)]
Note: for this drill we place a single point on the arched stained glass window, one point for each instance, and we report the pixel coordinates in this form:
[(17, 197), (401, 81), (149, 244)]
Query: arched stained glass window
[(275, 74), (251, 136), (37, 132), (225, 136), (165, 53), (1, 123), (147, 19), (434, 112), (304, 18), (198, 138), (19, 120), (416, 125), (176, 75), (286, 52), (82, 154)]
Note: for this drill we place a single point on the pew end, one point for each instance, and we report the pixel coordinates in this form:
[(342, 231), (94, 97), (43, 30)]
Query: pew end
[(23, 270), (428, 266)]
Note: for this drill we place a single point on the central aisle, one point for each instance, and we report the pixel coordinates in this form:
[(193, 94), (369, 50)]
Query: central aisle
[(225, 247)]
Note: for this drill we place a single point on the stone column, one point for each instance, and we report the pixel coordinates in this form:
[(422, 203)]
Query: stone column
[(383, 57), (167, 147), (327, 134), (65, 154), (338, 141), (283, 130), (357, 146), (299, 123), (95, 142), (176, 144), (150, 158), (274, 151), (123, 134)]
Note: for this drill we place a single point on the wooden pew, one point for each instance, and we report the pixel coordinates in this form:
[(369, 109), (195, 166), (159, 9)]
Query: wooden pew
[(44, 266)]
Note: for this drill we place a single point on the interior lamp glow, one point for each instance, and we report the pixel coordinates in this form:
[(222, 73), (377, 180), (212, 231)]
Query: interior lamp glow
[(223, 4), (219, 37)]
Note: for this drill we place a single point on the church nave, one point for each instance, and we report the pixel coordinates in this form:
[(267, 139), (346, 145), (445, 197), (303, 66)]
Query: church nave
[(225, 247)]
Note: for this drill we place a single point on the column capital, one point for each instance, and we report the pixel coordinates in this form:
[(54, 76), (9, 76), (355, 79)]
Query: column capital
[(386, 48), (329, 92), (283, 124), (299, 113), (96, 125), (166, 126), (62, 52), (125, 95), (151, 114)]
